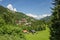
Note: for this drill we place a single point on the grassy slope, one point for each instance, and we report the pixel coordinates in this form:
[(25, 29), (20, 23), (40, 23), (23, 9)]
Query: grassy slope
[(41, 35)]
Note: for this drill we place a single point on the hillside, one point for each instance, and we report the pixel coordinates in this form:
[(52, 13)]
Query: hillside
[(13, 24), (19, 15), (20, 19), (13, 16), (47, 19)]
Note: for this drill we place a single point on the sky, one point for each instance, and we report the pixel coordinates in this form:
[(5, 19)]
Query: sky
[(34, 8)]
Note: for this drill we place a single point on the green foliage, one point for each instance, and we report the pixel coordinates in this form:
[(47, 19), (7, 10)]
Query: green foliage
[(38, 25), (10, 37), (39, 35), (2, 22), (55, 26), (10, 30), (27, 28), (6, 15)]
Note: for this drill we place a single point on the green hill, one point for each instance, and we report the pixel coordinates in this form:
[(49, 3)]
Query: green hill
[(11, 16), (46, 18), (13, 23)]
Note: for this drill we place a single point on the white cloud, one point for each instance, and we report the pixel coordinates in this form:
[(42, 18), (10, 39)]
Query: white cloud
[(31, 15), (10, 6), (38, 16), (44, 15), (15, 9)]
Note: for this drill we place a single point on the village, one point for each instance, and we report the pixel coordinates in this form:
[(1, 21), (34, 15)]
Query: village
[(24, 22)]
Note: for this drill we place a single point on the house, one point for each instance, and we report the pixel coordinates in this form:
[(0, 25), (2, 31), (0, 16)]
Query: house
[(23, 20), (28, 24), (25, 31)]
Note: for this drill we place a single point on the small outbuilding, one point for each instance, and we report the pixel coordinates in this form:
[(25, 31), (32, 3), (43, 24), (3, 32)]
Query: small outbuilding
[(33, 31)]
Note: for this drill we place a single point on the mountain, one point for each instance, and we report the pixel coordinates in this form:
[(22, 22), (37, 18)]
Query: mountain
[(8, 17), (11, 16), (46, 18)]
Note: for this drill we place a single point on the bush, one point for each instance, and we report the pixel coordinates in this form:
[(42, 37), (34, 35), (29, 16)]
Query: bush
[(1, 22), (10, 30)]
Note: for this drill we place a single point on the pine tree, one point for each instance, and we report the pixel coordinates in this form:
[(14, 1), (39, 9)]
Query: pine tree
[(55, 27)]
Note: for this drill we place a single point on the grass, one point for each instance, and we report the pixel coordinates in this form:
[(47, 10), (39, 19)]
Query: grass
[(40, 35), (10, 37)]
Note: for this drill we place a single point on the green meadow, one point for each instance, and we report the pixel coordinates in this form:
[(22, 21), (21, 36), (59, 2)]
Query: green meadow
[(40, 35)]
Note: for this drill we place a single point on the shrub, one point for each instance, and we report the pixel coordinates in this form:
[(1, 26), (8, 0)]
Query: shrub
[(10, 30)]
